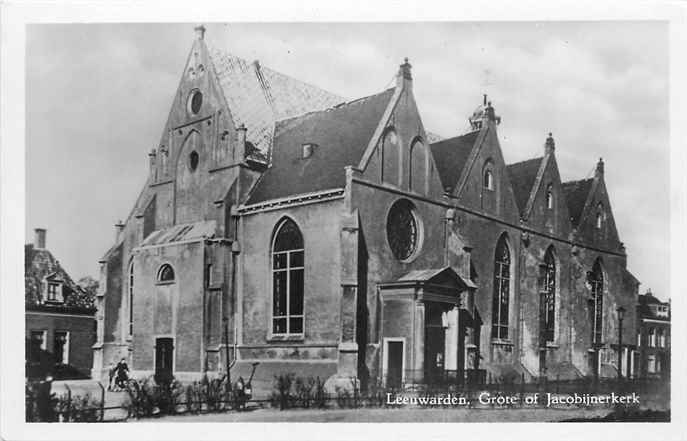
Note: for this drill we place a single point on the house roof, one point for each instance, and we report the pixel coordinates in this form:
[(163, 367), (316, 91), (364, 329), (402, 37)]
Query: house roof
[(40, 264), (181, 233), (576, 193), (522, 176), (258, 96), (644, 306), (450, 156), (340, 135)]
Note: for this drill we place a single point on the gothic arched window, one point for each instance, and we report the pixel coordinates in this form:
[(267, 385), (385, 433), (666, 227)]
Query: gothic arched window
[(596, 281), (131, 298), (165, 274), (390, 155), (488, 182), (549, 196), (547, 297), (417, 167), (499, 311), (287, 279)]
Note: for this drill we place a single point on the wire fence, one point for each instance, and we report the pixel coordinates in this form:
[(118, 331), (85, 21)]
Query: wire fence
[(146, 399)]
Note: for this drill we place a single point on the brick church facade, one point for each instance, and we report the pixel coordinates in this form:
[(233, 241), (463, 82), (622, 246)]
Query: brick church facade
[(281, 223)]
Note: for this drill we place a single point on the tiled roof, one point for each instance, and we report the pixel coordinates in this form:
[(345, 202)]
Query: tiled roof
[(39, 263), (450, 156), (340, 135), (576, 193), (180, 233), (258, 96), (645, 310), (522, 176)]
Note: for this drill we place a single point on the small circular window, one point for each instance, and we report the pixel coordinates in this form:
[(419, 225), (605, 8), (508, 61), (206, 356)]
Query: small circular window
[(402, 230), (195, 100), (193, 160)]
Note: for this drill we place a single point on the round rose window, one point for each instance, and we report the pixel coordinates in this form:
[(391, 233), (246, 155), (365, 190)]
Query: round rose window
[(402, 230)]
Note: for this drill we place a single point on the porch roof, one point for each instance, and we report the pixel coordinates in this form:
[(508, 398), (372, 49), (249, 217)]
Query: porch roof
[(436, 276)]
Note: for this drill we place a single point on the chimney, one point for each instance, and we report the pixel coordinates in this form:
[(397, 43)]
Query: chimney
[(240, 150), (550, 145), (200, 32), (119, 227), (39, 238), (404, 78), (599, 172)]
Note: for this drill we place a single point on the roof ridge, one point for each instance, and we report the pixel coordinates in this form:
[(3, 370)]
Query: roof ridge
[(334, 107), (576, 181), (537, 158)]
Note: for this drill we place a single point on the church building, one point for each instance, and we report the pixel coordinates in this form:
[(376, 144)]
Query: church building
[(283, 224)]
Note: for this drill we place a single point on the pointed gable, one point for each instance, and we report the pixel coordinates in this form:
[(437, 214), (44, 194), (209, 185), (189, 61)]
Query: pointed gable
[(40, 265), (576, 194), (257, 96), (450, 157), (338, 137), (522, 176)]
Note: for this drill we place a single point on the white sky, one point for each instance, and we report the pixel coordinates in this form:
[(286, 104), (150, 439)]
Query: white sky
[(98, 96)]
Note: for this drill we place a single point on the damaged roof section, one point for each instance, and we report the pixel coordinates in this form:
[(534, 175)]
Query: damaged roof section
[(310, 151), (258, 96)]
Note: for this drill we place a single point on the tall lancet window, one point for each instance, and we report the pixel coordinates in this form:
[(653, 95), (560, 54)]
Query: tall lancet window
[(547, 297), (502, 272), (131, 298), (390, 157), (596, 281), (287, 279)]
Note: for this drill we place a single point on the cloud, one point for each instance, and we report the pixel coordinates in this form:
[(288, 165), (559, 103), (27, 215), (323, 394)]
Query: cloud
[(98, 97)]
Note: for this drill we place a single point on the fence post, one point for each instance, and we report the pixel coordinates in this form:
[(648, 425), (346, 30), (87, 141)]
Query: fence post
[(102, 401), (69, 402)]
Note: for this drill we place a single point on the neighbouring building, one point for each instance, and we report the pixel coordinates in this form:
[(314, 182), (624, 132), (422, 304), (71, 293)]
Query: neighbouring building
[(60, 317), (651, 359), (283, 224)]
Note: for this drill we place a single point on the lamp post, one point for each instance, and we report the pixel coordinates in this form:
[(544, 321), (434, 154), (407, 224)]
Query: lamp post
[(621, 316)]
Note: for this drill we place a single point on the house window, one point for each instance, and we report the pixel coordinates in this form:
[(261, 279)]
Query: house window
[(131, 298), (54, 292), (61, 347), (165, 274), (651, 364), (596, 280), (499, 312), (652, 337), (402, 229), (287, 279), (549, 197), (488, 179), (661, 338), (37, 343), (547, 297)]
